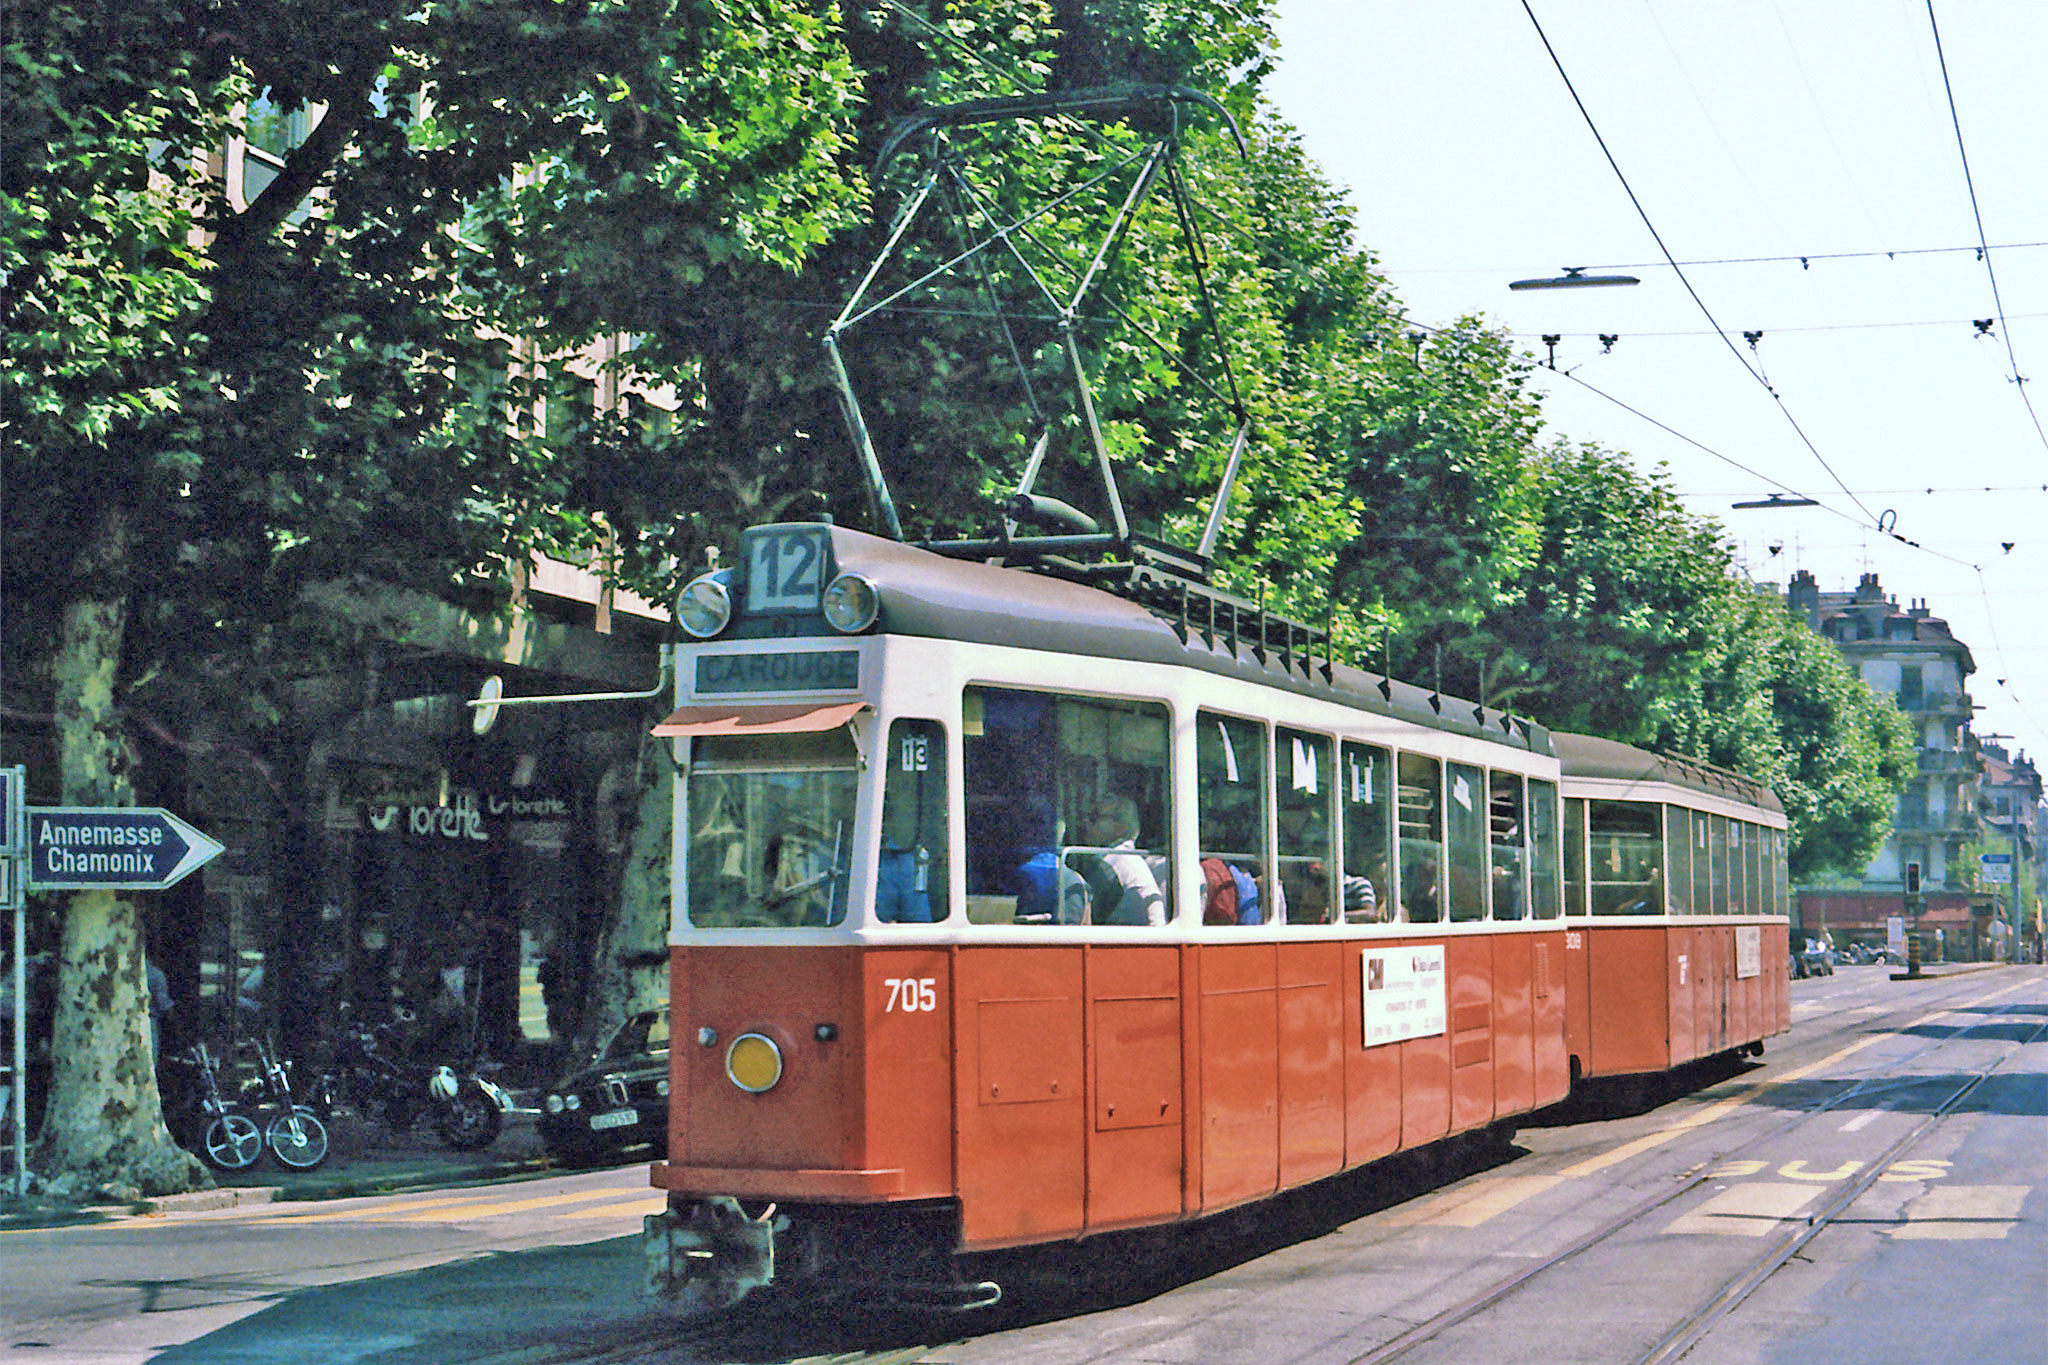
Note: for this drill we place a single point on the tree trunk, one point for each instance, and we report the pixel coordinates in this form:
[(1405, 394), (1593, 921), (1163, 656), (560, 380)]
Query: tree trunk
[(103, 1130), (630, 971)]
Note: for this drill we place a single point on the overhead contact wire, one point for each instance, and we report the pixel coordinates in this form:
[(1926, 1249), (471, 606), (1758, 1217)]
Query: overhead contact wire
[(1976, 212), (1672, 261)]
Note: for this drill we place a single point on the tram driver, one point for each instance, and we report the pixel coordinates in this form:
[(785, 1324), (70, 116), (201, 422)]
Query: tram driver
[(1115, 885)]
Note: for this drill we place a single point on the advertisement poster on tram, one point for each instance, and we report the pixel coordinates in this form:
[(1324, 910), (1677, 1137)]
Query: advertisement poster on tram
[(1403, 993)]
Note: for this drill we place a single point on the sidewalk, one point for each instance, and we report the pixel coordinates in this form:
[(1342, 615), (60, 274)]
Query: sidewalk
[(363, 1158)]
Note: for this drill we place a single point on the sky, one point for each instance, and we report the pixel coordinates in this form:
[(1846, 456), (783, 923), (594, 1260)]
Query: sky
[(1752, 135)]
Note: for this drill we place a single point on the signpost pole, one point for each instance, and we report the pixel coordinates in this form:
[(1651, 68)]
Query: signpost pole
[(13, 792)]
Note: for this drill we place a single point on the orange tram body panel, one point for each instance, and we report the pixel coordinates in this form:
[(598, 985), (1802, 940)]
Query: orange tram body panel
[(1056, 1092), (1009, 911)]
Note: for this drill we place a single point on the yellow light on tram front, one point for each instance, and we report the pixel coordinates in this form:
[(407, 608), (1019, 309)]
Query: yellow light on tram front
[(753, 1062)]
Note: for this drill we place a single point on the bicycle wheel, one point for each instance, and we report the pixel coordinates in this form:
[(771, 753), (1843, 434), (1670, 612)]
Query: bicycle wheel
[(232, 1143), (298, 1139)]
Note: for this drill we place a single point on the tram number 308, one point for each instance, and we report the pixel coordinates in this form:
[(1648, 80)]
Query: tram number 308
[(912, 995)]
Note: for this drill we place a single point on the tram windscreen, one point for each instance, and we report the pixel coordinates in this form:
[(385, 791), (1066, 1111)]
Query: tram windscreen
[(771, 831)]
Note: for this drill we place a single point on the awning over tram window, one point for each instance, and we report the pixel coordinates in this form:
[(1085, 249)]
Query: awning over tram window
[(727, 718)]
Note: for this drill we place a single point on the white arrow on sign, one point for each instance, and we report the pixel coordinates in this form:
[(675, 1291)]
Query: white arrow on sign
[(114, 848)]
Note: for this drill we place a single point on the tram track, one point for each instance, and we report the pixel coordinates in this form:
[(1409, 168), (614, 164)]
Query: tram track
[(1690, 1330)]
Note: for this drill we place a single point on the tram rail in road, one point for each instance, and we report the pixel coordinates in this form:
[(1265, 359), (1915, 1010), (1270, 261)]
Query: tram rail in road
[(1690, 1329)]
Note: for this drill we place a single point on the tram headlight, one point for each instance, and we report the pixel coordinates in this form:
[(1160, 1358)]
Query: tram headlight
[(705, 606), (754, 1063), (851, 603), (554, 1104)]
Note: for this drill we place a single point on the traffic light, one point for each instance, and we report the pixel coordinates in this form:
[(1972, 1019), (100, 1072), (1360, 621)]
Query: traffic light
[(1912, 879)]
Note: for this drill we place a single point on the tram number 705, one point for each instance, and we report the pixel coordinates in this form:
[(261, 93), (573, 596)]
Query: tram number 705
[(912, 995)]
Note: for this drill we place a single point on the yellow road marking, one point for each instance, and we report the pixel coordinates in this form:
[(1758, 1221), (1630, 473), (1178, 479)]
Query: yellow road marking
[(638, 1208), (1474, 1201), (487, 1209)]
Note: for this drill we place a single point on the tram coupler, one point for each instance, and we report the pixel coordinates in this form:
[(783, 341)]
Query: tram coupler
[(707, 1254)]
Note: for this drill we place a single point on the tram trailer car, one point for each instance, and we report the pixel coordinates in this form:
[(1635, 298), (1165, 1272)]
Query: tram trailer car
[(1676, 910), (1010, 911)]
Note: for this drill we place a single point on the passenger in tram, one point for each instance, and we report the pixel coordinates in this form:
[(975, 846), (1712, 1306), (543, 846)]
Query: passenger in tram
[(903, 876), (1649, 898), (1419, 891), (1117, 885), (1361, 901), (1219, 892)]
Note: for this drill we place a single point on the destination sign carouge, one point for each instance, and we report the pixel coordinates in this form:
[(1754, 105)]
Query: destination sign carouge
[(134, 848)]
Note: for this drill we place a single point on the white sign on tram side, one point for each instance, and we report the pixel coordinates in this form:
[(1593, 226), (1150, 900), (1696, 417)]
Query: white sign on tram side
[(1403, 993)]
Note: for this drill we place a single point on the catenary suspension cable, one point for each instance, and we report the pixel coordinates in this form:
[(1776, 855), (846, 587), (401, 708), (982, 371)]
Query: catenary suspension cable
[(1672, 260), (1976, 212), (1804, 258)]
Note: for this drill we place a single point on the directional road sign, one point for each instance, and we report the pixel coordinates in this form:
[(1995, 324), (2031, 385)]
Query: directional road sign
[(115, 848), (13, 783), (1995, 868)]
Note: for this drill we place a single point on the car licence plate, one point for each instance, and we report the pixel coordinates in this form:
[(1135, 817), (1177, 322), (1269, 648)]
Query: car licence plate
[(616, 1118)]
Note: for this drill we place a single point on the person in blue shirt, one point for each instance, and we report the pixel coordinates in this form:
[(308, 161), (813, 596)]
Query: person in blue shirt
[(903, 875)]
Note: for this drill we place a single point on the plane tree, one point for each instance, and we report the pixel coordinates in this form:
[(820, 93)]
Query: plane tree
[(218, 402)]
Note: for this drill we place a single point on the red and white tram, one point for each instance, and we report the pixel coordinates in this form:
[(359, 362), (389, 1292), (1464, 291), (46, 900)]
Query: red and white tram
[(1009, 910), (1676, 899)]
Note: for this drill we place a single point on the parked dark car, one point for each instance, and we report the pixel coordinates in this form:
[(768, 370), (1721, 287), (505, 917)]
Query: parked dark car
[(617, 1101)]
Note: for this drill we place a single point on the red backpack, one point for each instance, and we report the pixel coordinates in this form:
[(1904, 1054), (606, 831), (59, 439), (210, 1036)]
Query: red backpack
[(1219, 893)]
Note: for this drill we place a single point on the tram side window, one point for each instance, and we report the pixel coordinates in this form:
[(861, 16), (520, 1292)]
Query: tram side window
[(1466, 824), (1505, 834), (1625, 842), (1784, 874), (1703, 868), (1230, 817), (1719, 852), (1421, 827), (1678, 853), (1067, 808), (1367, 799), (910, 871), (1759, 901), (1738, 870), (1575, 855), (1543, 850), (1304, 831), (771, 830)]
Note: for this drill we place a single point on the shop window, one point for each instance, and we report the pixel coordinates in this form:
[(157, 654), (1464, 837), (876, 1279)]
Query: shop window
[(1230, 819), (1626, 856), (1366, 799), (1068, 808), (910, 868), (1420, 794)]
